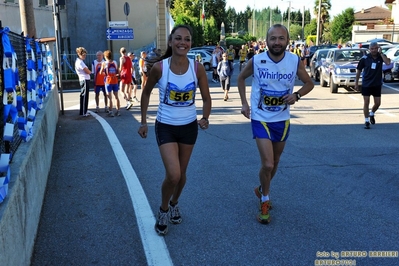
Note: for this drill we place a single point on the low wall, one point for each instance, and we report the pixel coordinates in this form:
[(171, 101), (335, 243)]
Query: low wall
[(20, 211)]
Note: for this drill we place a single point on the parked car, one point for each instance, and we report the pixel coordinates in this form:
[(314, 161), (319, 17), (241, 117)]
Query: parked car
[(209, 48), (381, 40), (314, 48), (385, 48), (317, 60), (339, 69), (392, 53), (205, 55), (395, 68), (367, 44)]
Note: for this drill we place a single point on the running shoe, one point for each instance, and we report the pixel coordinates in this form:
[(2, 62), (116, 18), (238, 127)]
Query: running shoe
[(118, 113), (161, 226), (97, 109), (258, 193), (111, 114), (367, 125), (372, 119), (129, 105), (135, 99), (264, 216), (106, 109), (175, 216)]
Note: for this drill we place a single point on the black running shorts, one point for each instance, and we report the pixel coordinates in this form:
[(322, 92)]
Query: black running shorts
[(186, 134)]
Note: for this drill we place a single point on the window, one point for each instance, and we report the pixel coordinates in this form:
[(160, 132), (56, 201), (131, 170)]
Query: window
[(387, 36), (8, 1), (43, 2)]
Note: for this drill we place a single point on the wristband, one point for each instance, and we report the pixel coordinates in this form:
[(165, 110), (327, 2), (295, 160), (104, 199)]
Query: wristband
[(298, 96), (206, 119)]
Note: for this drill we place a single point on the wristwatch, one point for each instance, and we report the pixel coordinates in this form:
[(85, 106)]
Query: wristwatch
[(298, 96)]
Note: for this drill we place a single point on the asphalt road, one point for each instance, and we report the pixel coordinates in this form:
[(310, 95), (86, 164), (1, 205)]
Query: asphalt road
[(336, 189)]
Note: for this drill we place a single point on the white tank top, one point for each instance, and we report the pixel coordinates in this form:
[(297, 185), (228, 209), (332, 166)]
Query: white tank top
[(271, 81), (177, 95)]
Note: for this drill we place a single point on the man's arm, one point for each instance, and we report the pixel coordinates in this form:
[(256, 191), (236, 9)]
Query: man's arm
[(305, 78), (244, 74), (385, 58)]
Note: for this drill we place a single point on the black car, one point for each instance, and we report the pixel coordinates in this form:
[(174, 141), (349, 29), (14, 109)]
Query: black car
[(316, 61), (314, 48)]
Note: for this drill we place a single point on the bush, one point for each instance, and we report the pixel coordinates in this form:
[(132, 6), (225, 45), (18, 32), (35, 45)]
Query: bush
[(234, 41)]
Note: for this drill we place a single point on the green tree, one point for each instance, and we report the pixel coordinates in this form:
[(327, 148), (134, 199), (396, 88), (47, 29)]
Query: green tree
[(193, 9), (341, 27), (211, 32), (198, 38), (311, 28), (295, 31)]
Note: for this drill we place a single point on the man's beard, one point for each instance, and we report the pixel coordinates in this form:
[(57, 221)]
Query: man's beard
[(277, 53)]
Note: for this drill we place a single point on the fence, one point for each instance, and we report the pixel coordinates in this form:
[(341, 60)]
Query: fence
[(26, 75), (68, 61)]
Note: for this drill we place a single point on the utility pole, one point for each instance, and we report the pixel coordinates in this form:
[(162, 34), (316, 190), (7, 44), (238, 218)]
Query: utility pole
[(318, 24), (303, 23), (27, 18), (289, 15), (56, 11), (271, 17)]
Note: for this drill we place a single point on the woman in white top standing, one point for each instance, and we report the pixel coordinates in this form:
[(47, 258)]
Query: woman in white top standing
[(176, 125), (83, 73)]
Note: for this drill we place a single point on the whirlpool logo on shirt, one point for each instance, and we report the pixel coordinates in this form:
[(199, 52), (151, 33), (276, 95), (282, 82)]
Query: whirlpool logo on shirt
[(264, 73)]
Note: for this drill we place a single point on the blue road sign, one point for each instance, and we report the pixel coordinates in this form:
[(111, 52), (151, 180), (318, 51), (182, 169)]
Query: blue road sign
[(120, 34)]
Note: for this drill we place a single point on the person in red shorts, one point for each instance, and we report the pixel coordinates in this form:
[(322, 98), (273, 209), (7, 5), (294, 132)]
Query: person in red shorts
[(125, 73)]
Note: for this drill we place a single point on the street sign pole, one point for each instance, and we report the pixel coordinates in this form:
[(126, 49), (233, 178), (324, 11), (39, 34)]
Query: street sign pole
[(126, 10)]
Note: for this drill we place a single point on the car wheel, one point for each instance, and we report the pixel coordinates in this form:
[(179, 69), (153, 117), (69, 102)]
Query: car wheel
[(333, 86), (387, 76), (317, 75), (323, 83), (207, 66)]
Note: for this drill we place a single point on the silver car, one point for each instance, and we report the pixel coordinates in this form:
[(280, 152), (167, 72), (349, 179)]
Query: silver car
[(339, 69)]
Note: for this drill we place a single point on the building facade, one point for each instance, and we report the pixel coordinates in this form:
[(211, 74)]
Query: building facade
[(377, 22), (84, 23)]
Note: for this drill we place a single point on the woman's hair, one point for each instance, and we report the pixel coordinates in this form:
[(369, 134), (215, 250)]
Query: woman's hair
[(108, 55), (168, 53), (81, 51)]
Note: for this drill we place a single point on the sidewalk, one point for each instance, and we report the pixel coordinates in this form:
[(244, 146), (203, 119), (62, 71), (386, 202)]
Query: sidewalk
[(85, 204)]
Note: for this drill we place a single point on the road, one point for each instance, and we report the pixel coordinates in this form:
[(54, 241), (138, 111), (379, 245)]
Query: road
[(336, 189)]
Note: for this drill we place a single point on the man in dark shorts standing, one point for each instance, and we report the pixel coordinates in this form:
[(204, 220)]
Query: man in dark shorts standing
[(371, 64)]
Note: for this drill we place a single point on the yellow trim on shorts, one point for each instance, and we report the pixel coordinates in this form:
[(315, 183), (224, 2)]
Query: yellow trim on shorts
[(287, 124), (266, 128)]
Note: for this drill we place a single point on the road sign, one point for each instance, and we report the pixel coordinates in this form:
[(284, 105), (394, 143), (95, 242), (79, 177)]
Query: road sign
[(119, 34), (115, 24), (126, 9)]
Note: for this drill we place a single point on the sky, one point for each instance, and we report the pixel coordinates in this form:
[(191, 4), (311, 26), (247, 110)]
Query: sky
[(337, 6)]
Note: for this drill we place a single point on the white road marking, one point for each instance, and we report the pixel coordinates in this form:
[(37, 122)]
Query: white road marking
[(390, 87), (353, 98), (380, 109), (155, 248)]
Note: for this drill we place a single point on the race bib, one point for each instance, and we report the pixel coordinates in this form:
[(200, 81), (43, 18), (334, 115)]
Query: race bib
[(180, 97)]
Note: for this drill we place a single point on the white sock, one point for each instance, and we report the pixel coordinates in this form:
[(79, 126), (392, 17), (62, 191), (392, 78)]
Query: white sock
[(367, 119), (371, 114), (265, 198)]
